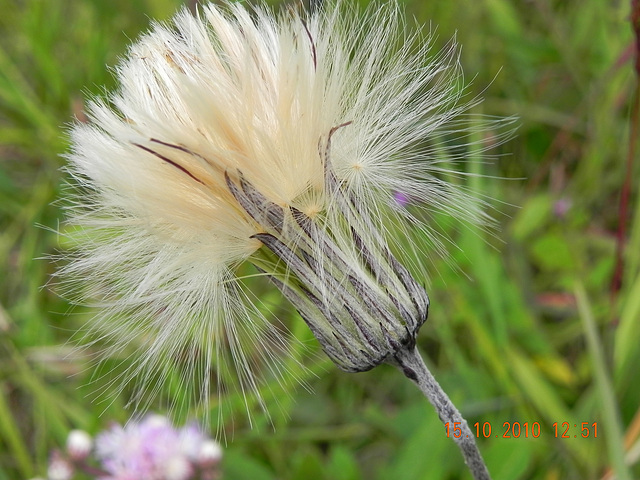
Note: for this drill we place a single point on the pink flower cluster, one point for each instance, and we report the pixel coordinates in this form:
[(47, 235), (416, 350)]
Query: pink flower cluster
[(151, 449)]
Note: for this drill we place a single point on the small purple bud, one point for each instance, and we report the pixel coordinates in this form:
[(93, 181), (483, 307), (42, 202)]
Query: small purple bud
[(561, 207), (401, 198)]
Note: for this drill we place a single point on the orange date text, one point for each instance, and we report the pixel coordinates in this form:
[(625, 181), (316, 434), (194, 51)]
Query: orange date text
[(525, 430)]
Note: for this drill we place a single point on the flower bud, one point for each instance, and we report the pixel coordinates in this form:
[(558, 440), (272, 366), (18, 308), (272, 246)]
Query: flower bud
[(59, 468), (210, 454), (178, 468), (79, 444)]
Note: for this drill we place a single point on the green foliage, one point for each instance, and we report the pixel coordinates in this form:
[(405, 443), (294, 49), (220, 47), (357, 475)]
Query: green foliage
[(524, 330)]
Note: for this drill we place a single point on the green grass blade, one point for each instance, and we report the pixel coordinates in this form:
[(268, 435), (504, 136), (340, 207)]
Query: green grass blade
[(10, 432), (610, 412)]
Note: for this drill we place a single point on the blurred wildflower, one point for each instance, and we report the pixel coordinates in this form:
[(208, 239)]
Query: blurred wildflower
[(151, 449), (561, 207)]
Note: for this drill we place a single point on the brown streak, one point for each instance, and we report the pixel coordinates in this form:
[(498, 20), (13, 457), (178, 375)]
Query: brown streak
[(184, 149), (623, 208), (313, 45), (169, 161), (635, 25), (172, 145)]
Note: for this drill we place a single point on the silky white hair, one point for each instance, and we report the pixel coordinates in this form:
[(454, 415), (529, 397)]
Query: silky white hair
[(158, 238)]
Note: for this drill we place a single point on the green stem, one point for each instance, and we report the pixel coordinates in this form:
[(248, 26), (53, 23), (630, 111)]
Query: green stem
[(611, 416)]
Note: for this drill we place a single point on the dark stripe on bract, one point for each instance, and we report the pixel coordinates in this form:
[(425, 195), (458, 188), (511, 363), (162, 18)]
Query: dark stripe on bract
[(169, 161)]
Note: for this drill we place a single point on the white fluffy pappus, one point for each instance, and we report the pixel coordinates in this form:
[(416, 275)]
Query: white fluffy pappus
[(237, 94)]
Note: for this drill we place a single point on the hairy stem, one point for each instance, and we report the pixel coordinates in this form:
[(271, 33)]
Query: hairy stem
[(413, 367)]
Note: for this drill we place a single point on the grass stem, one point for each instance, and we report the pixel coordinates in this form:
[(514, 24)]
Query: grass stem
[(612, 424)]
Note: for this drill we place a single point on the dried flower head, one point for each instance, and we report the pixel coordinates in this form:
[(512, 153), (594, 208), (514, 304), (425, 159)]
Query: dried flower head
[(284, 141)]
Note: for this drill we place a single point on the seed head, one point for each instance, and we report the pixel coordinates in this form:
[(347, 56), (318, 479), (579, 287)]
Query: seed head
[(284, 141)]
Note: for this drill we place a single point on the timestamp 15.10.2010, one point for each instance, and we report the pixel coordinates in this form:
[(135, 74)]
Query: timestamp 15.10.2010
[(526, 430)]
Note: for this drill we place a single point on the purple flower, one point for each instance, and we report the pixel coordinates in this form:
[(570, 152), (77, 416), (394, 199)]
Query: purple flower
[(151, 450), (562, 207), (147, 449)]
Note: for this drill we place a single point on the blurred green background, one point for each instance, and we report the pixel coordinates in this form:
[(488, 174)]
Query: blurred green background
[(528, 332)]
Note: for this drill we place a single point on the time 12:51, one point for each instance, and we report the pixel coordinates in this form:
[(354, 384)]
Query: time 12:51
[(562, 430)]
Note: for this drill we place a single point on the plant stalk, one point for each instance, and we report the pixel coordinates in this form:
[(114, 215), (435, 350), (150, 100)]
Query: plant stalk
[(409, 361), (625, 194)]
